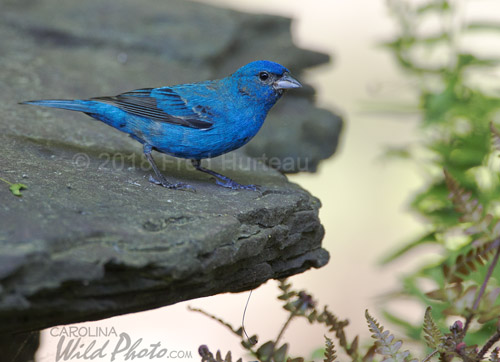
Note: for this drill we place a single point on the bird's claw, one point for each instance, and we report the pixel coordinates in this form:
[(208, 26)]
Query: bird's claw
[(168, 185), (236, 186)]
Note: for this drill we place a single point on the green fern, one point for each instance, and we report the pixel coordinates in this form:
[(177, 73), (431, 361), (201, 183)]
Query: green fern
[(470, 208), (466, 264), (485, 229), (330, 353), (386, 345), (432, 334), (449, 345)]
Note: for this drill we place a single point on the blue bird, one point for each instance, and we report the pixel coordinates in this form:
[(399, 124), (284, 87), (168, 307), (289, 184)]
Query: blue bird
[(193, 121)]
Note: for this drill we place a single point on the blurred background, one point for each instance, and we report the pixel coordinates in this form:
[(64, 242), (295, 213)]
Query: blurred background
[(364, 196)]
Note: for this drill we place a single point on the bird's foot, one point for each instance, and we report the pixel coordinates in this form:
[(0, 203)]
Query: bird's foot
[(177, 186), (230, 184)]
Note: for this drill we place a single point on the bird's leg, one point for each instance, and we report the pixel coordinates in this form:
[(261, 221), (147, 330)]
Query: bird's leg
[(222, 180), (160, 179)]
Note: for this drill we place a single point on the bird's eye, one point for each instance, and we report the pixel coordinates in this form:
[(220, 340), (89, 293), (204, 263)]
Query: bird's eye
[(263, 76)]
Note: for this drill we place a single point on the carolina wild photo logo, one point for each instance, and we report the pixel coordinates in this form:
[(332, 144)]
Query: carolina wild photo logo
[(105, 344)]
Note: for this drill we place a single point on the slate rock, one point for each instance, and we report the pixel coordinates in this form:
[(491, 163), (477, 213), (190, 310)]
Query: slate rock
[(91, 238)]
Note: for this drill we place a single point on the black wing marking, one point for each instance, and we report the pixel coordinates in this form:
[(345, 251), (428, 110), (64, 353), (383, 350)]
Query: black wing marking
[(140, 103)]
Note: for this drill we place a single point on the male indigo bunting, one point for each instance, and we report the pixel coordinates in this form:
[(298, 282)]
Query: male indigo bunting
[(193, 121)]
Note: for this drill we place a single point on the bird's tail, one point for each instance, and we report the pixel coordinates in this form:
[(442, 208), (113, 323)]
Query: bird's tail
[(72, 105)]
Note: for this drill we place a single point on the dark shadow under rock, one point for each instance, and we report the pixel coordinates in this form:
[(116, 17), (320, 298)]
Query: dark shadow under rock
[(19, 347)]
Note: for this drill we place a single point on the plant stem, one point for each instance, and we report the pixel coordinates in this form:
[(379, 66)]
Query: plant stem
[(488, 275), (467, 324), (494, 339), (7, 182), (496, 336), (496, 244), (230, 327), (430, 355), (283, 329)]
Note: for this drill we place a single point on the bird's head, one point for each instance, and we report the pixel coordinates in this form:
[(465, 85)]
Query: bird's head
[(263, 81)]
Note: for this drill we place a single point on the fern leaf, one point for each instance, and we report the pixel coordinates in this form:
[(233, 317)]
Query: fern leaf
[(228, 358), (334, 324), (330, 353), (384, 340), (283, 285), (354, 346), (286, 288), (368, 357), (466, 264), (470, 209), (207, 356), (280, 354), (432, 334), (297, 359), (265, 352), (205, 353)]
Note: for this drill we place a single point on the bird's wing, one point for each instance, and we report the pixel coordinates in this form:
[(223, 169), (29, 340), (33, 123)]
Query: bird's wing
[(160, 104)]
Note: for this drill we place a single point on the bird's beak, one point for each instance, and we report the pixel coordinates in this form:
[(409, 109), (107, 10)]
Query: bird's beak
[(286, 82)]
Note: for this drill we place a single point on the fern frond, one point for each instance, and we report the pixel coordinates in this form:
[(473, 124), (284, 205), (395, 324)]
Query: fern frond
[(468, 263), (280, 354), (484, 225), (284, 285), (286, 289), (238, 332), (432, 334), (479, 255), (207, 356), (336, 326), (354, 346), (386, 345), (297, 359), (330, 353), (471, 209), (266, 351), (370, 354)]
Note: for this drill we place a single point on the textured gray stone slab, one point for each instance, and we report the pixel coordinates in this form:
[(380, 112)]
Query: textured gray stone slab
[(87, 243), (91, 237)]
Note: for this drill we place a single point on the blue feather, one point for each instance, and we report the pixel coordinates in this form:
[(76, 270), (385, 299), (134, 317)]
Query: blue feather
[(193, 121)]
